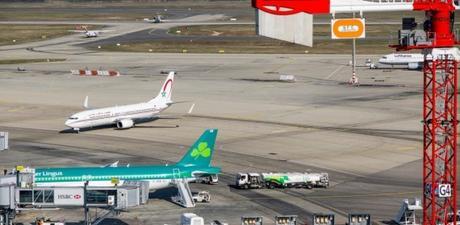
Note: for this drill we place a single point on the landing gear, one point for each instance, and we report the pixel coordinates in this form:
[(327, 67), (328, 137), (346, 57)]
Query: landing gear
[(76, 130)]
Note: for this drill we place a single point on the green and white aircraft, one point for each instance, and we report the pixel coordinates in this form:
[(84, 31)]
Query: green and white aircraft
[(195, 163)]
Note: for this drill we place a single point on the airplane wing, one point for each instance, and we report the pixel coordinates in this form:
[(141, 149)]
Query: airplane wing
[(77, 31), (96, 31), (102, 31), (114, 164), (177, 116), (206, 172), (172, 102)]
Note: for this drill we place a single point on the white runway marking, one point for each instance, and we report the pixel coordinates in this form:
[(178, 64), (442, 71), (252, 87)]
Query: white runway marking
[(191, 109), (334, 72)]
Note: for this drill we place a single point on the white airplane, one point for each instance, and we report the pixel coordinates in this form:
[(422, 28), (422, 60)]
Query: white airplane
[(124, 116), (413, 61), (155, 19), (89, 33)]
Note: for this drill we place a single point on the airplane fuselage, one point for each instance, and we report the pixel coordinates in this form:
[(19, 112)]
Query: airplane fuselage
[(113, 115), (158, 176), (90, 34), (195, 163), (401, 59), (125, 116)]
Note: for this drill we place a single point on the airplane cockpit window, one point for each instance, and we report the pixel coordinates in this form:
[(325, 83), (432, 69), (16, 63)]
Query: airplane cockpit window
[(73, 118)]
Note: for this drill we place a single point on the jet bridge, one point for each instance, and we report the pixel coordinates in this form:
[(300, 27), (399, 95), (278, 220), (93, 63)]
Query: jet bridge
[(18, 193), (118, 198)]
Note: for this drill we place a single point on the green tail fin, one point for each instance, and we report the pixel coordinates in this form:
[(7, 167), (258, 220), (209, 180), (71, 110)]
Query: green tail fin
[(200, 153)]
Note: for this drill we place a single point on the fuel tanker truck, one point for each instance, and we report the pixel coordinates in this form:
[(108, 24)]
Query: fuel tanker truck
[(282, 180)]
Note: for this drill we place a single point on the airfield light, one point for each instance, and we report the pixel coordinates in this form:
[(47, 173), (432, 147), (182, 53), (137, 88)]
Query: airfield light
[(251, 220), (285, 220), (359, 219), (323, 219)]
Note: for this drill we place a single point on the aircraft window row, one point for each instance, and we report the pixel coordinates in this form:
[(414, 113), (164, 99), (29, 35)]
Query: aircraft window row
[(139, 177), (73, 118), (137, 111), (59, 178), (99, 116), (78, 178)]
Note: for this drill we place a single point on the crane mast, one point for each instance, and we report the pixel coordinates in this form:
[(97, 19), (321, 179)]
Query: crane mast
[(439, 88)]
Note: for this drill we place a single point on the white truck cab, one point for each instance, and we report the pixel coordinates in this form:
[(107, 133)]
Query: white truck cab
[(249, 180)]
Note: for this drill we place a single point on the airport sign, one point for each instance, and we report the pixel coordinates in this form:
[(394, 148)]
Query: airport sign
[(68, 196), (348, 28), (444, 191)]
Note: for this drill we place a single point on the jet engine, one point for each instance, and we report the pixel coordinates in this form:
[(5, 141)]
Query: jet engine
[(415, 66), (125, 124)]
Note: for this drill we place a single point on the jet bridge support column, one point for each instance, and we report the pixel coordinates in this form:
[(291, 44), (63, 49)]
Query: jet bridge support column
[(85, 204), (7, 204)]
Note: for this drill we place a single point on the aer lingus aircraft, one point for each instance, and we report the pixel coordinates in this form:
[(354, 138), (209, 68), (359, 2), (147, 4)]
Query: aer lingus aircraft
[(194, 164)]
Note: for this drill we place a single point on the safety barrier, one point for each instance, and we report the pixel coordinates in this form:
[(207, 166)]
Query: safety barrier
[(111, 73)]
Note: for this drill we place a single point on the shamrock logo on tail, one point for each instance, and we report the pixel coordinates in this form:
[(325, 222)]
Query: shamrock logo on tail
[(202, 151)]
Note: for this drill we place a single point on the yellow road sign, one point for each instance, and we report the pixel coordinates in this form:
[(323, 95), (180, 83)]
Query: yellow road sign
[(348, 28)]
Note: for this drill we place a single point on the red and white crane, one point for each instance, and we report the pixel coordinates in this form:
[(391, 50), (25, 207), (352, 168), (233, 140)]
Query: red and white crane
[(440, 87)]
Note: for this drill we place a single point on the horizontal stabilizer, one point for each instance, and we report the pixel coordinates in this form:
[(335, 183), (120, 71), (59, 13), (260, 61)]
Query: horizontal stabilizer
[(297, 28)]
